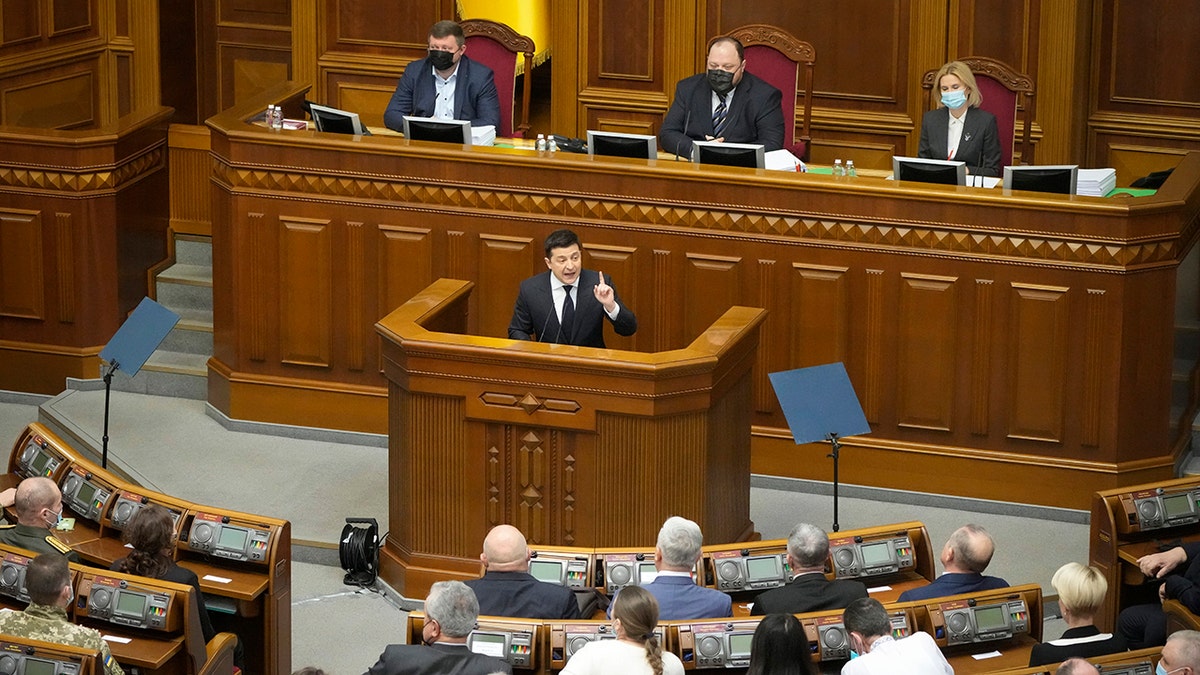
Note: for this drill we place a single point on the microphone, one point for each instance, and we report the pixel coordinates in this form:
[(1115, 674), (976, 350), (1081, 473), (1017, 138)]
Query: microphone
[(686, 121), (542, 332)]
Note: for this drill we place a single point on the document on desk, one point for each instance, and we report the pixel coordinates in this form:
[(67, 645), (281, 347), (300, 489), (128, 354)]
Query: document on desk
[(484, 135), (781, 160)]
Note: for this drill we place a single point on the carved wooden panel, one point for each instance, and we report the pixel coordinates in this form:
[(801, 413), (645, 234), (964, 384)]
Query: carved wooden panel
[(248, 70), (69, 16), (823, 291), (625, 41), (21, 264), (1002, 30), (20, 22), (305, 292), (369, 26), (712, 284), (1037, 369), (62, 98), (927, 351), (504, 262), (441, 472), (255, 12), (405, 258), (1143, 57), (366, 94), (64, 232), (618, 263)]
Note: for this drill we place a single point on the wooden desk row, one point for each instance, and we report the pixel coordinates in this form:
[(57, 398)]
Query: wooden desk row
[(1007, 620), (150, 624), (243, 560), (898, 556)]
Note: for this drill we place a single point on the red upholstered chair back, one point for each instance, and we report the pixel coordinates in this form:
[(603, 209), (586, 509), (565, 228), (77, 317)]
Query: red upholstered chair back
[(1001, 88), (497, 46), (778, 58)]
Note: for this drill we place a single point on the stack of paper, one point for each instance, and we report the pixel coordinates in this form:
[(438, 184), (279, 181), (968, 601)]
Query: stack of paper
[(1095, 182), (484, 135), (782, 160)]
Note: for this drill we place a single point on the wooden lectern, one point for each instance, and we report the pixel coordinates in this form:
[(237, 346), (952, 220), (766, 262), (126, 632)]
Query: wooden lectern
[(576, 446)]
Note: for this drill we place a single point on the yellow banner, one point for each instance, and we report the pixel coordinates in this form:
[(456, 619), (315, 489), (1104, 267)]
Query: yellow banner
[(526, 17)]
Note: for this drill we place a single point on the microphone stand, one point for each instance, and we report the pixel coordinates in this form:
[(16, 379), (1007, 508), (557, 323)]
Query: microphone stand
[(112, 368), (837, 446)]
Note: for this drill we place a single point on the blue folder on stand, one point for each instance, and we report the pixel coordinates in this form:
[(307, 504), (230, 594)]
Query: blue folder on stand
[(138, 337), (819, 401)]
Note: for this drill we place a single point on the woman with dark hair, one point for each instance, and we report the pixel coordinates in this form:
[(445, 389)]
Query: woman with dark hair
[(636, 651), (151, 535), (780, 647)]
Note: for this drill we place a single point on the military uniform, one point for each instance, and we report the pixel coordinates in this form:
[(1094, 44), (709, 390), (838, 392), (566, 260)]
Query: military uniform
[(50, 624), (36, 539)]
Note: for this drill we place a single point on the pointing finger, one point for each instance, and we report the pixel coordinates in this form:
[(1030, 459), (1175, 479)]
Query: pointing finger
[(602, 278)]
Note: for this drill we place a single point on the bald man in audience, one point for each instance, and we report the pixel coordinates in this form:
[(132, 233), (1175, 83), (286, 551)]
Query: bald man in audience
[(508, 589), (964, 558), (1076, 666), (38, 503), (809, 590), (1181, 654)]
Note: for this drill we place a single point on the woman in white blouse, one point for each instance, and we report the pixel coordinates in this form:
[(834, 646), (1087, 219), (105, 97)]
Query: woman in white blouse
[(636, 651)]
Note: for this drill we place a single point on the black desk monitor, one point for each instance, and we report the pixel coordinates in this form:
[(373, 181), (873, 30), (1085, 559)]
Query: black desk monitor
[(613, 144), (1060, 179), (749, 155), (337, 121), (438, 131), (945, 172)]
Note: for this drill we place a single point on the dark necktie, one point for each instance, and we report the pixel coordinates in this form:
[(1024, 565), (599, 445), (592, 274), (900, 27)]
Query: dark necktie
[(568, 315), (719, 117)]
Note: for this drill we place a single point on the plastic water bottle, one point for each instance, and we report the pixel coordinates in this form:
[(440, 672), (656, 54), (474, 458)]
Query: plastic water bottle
[(850, 168), (838, 169), (541, 143), (553, 146)]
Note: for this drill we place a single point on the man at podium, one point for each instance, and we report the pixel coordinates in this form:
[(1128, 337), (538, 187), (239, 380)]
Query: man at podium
[(568, 305)]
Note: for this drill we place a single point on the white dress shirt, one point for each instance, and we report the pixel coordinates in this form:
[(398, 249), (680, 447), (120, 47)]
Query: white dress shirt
[(443, 107)]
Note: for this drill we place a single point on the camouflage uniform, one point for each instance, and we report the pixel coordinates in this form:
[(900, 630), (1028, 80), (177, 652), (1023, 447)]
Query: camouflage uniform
[(36, 539), (50, 624)]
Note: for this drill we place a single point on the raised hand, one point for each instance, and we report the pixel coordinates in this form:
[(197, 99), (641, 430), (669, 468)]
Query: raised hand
[(604, 294)]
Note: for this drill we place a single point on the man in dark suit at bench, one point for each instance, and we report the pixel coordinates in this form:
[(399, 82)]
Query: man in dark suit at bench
[(964, 558), (508, 589), (809, 591)]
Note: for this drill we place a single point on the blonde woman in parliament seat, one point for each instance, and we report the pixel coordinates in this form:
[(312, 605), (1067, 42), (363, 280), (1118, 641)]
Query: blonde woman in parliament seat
[(636, 651), (1081, 591), (958, 128)]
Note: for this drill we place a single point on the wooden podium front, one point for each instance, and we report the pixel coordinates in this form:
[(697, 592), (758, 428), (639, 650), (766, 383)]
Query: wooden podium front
[(576, 446)]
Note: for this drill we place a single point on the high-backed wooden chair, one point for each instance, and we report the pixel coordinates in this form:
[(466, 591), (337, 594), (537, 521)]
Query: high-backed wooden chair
[(1001, 87), (776, 56), (497, 46)]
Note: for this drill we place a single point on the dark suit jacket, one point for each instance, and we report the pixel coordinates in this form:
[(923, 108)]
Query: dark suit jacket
[(809, 593), (679, 598), (953, 583), (979, 146), (1076, 642), (755, 116), (518, 594), (475, 96), (438, 659), (181, 575), (534, 313)]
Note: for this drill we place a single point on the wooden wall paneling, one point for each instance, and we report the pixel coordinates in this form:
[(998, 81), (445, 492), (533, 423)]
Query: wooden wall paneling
[(768, 298), (1007, 31), (504, 262), (20, 23), (145, 75), (1061, 81), (443, 472), (618, 263), (305, 287), (1037, 337), (191, 193), (569, 34), (249, 69), (982, 357), (624, 86), (711, 284), (356, 291), (67, 96), (927, 355), (874, 369), (64, 224), (405, 257), (22, 264), (818, 290)]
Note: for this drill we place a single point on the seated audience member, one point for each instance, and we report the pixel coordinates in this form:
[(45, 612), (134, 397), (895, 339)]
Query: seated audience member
[(675, 557), (958, 129), (1179, 571), (38, 503), (780, 647), (879, 653), (450, 614), (48, 582), (1181, 654), (809, 590), (1076, 666), (636, 651), (446, 84), (1081, 592), (151, 535), (724, 103), (964, 558), (508, 589)]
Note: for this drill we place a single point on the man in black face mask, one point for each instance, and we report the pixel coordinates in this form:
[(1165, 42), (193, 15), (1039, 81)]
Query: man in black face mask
[(446, 84), (724, 104)]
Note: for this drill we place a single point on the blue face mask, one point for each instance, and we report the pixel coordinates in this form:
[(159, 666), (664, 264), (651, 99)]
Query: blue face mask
[(1160, 670), (954, 99)]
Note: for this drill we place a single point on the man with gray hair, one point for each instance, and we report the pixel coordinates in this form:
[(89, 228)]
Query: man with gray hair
[(809, 590), (1181, 654), (675, 556), (1076, 666), (964, 558), (450, 613)]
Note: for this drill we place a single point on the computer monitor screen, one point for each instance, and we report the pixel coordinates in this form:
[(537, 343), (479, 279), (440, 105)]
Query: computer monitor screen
[(490, 644), (876, 554), (39, 667), (749, 155), (612, 144), (438, 131), (233, 538), (332, 120), (1058, 179), (920, 170), (992, 618), (550, 571), (764, 568), (1177, 505), (40, 461), (646, 572), (131, 604), (739, 645)]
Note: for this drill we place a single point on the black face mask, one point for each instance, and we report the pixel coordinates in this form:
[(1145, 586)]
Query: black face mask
[(721, 81), (441, 60)]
